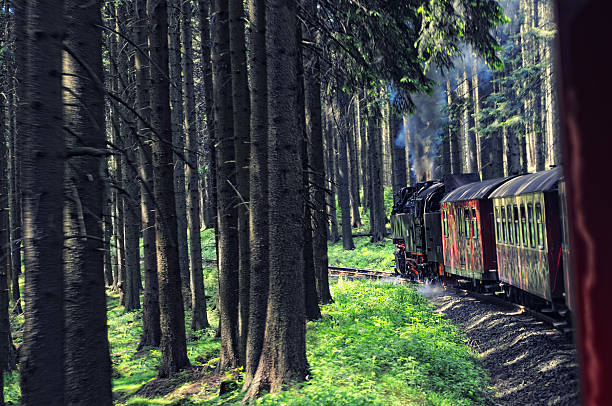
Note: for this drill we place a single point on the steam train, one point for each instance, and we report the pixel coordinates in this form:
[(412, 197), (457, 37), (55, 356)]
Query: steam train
[(505, 236)]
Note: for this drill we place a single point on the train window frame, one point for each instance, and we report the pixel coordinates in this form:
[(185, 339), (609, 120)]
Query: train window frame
[(467, 223), (539, 225), (524, 224), (517, 225), (532, 242), (497, 225), (474, 224), (503, 218), (510, 224)]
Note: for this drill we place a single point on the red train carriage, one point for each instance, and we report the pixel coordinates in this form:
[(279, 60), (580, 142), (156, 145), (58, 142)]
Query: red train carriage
[(565, 246), (467, 231), (527, 225)]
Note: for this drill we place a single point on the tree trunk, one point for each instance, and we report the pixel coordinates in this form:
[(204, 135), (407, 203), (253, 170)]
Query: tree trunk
[(311, 302), (151, 330), (330, 150), (172, 317), (86, 348), (258, 181), (316, 157), (131, 203), (198, 298), (377, 208), (178, 141), (398, 155), (343, 174), (283, 358), (364, 151), (5, 247), (227, 212), (209, 142), (470, 131), (354, 167), (455, 143), (15, 216), (242, 112), (41, 354)]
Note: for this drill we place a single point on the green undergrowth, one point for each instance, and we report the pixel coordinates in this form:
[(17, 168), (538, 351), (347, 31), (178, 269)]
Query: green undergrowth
[(366, 255), (382, 344)]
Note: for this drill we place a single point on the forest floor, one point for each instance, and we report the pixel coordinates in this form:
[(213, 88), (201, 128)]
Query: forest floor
[(377, 344)]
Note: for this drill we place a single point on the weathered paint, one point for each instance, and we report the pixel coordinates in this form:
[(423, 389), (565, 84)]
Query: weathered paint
[(470, 255), (532, 266), (565, 247)]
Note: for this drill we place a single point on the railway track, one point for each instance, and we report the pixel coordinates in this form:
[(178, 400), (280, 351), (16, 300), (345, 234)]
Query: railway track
[(361, 273)]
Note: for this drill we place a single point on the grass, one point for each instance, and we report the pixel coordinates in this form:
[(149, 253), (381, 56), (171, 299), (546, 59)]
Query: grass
[(377, 344)]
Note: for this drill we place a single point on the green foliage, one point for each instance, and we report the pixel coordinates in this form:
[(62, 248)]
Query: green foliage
[(382, 344), (365, 255)]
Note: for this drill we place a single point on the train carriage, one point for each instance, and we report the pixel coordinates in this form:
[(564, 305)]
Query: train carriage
[(467, 231), (527, 230)]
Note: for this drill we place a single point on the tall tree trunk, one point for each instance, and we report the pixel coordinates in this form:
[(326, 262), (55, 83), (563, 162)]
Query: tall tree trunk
[(242, 112), (209, 149), (330, 150), (131, 203), (198, 297), (86, 348), (42, 355), (354, 166), (343, 173), (364, 151), (15, 215), (311, 302), (455, 140), (178, 141), (258, 181), (470, 133), (398, 155), (377, 208), (227, 200), (151, 330), (172, 316), (5, 247), (316, 157), (283, 358)]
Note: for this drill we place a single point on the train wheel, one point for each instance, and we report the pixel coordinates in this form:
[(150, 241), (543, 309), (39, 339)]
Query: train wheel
[(400, 262)]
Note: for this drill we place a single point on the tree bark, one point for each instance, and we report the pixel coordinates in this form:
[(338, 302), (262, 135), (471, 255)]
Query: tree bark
[(283, 358), (178, 141), (227, 213), (377, 208), (364, 151), (258, 181), (198, 297), (398, 155), (42, 355), (455, 140), (311, 302), (172, 317), (241, 111), (131, 203), (316, 157), (151, 330), (354, 166), (331, 170), (86, 348), (343, 174)]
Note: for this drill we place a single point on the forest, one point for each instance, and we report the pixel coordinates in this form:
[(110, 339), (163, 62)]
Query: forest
[(190, 162)]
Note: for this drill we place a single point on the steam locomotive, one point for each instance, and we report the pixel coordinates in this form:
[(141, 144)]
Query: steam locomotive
[(505, 236)]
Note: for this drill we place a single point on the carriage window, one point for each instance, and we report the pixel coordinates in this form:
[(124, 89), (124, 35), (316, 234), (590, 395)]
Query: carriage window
[(445, 219), (503, 216), (524, 224), (540, 225), (474, 224), (531, 225), (498, 225), (517, 227), (510, 225), (466, 219)]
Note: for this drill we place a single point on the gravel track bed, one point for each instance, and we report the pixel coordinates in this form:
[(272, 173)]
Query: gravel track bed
[(529, 362)]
